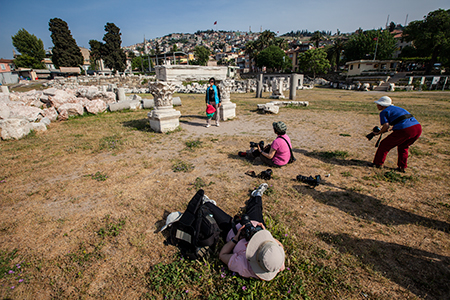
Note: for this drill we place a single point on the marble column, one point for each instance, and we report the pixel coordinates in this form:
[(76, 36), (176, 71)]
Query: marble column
[(259, 86), (227, 108), (164, 117)]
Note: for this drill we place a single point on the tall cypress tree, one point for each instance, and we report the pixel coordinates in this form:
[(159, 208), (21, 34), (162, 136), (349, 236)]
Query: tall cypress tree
[(66, 53), (113, 54)]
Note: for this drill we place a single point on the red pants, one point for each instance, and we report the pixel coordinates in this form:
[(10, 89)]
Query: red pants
[(401, 139)]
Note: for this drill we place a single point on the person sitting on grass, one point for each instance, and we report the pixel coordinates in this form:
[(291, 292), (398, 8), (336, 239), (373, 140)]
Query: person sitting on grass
[(276, 154), (262, 256)]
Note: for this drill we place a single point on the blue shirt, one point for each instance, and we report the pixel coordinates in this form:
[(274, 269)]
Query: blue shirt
[(390, 113)]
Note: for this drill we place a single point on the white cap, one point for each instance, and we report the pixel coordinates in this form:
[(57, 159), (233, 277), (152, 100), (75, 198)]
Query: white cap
[(384, 101), (172, 217)]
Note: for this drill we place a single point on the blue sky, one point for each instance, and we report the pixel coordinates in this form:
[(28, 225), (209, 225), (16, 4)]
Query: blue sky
[(87, 18)]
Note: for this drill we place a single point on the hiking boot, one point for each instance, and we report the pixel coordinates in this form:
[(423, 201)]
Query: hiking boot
[(401, 170), (206, 199), (260, 190), (372, 165)]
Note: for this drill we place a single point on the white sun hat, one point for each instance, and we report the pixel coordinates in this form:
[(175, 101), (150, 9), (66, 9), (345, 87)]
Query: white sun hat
[(172, 217), (265, 255), (384, 101)]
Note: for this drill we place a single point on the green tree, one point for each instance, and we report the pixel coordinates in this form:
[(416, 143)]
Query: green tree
[(336, 52), (362, 45), (140, 62), (96, 54), (31, 50), (202, 55), (113, 55), (431, 36), (65, 52), (314, 61), (316, 38), (274, 58)]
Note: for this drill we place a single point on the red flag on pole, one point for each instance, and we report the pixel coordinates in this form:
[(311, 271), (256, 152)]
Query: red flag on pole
[(215, 23)]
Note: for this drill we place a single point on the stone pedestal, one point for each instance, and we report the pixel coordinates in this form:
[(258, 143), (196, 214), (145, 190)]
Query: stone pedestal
[(164, 117), (277, 88), (227, 108), (121, 94)]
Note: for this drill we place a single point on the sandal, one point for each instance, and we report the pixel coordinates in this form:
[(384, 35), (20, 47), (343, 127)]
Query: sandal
[(250, 173)]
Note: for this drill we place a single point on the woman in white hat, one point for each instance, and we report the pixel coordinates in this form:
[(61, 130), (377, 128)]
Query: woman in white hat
[(405, 131), (262, 256)]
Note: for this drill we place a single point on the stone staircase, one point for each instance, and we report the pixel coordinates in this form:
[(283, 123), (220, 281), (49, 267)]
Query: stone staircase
[(394, 79)]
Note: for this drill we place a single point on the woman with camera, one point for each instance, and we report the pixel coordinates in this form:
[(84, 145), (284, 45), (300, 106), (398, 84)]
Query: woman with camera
[(405, 131), (249, 249), (276, 154)]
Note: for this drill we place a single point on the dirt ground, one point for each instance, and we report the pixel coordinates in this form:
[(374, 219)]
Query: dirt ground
[(63, 188)]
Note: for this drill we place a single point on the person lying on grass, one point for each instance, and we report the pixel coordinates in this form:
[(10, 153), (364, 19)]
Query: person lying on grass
[(261, 256)]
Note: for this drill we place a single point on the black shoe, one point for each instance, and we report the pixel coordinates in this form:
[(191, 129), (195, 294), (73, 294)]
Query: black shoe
[(242, 154), (372, 165), (401, 170)]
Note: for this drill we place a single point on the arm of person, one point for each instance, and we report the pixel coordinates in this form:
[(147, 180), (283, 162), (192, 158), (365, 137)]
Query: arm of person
[(227, 250), (269, 155), (384, 128)]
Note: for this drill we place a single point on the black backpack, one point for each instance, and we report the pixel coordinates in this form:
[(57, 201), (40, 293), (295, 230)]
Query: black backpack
[(196, 233)]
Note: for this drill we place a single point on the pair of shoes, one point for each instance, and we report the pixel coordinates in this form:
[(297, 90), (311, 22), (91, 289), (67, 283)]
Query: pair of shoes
[(260, 190), (208, 125), (401, 170), (217, 124), (206, 199), (242, 154), (372, 165)]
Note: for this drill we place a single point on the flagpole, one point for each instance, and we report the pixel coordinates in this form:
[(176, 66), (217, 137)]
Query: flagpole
[(376, 47)]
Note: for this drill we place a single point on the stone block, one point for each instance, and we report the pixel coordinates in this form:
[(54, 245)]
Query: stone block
[(227, 111), (39, 127), (148, 103), (271, 108), (176, 101), (135, 104), (121, 105), (14, 128)]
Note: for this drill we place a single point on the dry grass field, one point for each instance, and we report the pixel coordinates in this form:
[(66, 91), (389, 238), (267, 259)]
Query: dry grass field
[(82, 203)]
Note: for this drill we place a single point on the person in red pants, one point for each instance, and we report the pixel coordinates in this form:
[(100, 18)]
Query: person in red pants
[(405, 131)]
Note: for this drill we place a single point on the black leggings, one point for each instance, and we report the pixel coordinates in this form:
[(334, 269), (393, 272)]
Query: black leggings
[(253, 210)]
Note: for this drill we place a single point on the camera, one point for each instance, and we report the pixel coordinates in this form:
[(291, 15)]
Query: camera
[(249, 230), (312, 181), (370, 136), (266, 175), (255, 145)]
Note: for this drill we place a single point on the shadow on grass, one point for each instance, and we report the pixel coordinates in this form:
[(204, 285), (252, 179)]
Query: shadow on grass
[(423, 273), (370, 208), (336, 157), (141, 125)]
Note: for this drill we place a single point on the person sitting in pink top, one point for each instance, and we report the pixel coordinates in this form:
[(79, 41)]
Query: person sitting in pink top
[(260, 256), (276, 154)]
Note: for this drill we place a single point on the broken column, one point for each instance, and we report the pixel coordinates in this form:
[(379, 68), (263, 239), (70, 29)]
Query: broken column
[(164, 117), (259, 86), (227, 108)]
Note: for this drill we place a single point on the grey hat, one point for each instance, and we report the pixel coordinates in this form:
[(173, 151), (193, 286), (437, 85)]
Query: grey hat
[(279, 126)]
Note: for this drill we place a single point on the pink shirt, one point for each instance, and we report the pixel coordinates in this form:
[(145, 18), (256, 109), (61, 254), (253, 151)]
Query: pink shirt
[(238, 262), (283, 153)]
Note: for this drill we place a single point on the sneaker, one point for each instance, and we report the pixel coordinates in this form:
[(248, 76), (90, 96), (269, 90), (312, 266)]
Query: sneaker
[(260, 190), (206, 199), (217, 124), (208, 125)]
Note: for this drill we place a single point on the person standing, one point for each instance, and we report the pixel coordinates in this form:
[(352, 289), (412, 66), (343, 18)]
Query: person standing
[(405, 131), (213, 98)]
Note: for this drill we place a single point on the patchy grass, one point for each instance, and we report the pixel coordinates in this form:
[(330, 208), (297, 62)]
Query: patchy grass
[(362, 233)]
